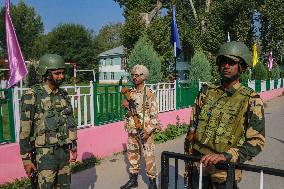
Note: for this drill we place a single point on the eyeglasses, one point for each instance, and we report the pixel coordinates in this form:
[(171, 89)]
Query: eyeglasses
[(136, 75)]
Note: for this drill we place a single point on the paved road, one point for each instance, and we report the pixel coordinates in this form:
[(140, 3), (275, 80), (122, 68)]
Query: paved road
[(112, 172)]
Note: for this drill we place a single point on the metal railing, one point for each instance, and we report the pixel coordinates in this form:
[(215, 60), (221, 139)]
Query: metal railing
[(166, 156), (7, 129)]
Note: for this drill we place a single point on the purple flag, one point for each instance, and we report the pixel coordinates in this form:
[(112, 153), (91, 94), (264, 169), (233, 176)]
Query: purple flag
[(17, 67), (270, 64)]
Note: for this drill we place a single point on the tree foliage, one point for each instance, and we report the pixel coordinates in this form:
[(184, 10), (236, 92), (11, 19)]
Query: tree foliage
[(200, 67), (260, 72), (275, 72), (108, 37), (272, 32), (204, 24), (75, 43), (144, 54), (27, 24)]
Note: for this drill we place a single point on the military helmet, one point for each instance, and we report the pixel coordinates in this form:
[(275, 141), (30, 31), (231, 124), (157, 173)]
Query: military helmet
[(50, 62), (235, 49)]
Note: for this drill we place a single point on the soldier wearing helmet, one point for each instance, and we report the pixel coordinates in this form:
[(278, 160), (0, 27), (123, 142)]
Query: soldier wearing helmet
[(227, 120), (47, 129), (147, 110)]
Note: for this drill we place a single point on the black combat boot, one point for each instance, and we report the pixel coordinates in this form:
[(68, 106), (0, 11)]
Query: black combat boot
[(132, 183), (152, 184)]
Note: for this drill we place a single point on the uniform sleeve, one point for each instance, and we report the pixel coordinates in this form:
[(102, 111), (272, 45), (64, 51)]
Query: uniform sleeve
[(27, 116), (72, 127), (154, 112), (254, 135), (193, 119)]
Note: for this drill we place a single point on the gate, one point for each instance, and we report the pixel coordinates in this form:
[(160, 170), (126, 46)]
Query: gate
[(165, 179), (7, 129)]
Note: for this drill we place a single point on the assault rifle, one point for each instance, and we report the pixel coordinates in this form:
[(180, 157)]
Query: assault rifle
[(34, 177), (190, 172), (133, 113)]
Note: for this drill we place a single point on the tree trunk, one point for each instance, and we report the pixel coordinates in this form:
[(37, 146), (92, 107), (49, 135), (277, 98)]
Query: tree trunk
[(148, 16), (207, 10), (193, 10)]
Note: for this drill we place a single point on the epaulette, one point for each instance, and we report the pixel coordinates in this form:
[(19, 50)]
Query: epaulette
[(246, 91)]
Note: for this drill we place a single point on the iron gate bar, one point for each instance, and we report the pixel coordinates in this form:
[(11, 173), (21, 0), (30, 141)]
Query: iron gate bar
[(230, 167)]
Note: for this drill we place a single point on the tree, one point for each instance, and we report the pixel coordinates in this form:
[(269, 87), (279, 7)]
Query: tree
[(260, 72), (199, 62), (272, 33), (40, 47), (108, 37), (275, 72), (27, 24), (144, 54), (76, 44), (202, 24)]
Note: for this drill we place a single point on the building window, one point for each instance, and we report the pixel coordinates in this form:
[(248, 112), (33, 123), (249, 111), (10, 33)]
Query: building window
[(111, 61), (105, 76), (103, 62), (123, 63), (112, 75)]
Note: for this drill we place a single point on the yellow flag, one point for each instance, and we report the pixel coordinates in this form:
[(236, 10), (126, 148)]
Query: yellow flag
[(254, 55)]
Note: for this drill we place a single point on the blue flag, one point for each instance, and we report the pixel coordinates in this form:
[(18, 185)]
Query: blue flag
[(175, 35)]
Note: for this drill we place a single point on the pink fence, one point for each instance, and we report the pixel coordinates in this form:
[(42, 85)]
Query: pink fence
[(98, 141)]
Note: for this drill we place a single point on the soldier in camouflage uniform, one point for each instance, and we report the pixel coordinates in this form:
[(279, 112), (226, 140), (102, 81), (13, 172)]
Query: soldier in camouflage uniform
[(48, 125), (227, 119), (141, 95)]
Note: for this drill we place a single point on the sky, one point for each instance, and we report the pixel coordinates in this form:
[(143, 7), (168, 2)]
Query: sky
[(93, 14)]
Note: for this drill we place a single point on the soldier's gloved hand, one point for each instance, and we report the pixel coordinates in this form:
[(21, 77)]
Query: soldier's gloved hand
[(74, 156), (29, 168), (145, 135), (125, 104), (212, 159)]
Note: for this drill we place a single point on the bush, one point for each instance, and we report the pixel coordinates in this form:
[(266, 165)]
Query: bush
[(260, 72), (199, 67), (170, 133), (275, 72)]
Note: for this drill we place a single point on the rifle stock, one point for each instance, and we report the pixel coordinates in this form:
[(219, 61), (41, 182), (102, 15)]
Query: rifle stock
[(133, 113)]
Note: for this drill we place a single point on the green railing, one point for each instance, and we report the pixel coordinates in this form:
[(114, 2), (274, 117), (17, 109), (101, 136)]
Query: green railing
[(257, 86), (186, 93), (107, 104), (7, 129)]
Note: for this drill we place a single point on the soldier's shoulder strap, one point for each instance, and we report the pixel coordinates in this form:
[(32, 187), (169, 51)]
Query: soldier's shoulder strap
[(247, 91), (205, 87)]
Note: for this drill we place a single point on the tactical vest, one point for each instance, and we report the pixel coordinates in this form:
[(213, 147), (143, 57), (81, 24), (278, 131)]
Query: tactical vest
[(53, 123), (222, 121)]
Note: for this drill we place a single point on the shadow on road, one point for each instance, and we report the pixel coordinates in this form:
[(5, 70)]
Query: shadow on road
[(282, 141), (87, 177)]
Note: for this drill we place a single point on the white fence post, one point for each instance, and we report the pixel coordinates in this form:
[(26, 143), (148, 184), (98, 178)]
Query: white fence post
[(92, 103)]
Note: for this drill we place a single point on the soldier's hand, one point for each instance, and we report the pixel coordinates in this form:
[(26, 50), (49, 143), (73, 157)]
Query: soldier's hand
[(212, 159), (125, 104), (74, 156), (29, 168)]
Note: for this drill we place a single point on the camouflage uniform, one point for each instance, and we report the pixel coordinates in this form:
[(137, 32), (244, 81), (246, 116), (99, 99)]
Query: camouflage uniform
[(150, 124), (47, 121), (229, 122)]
